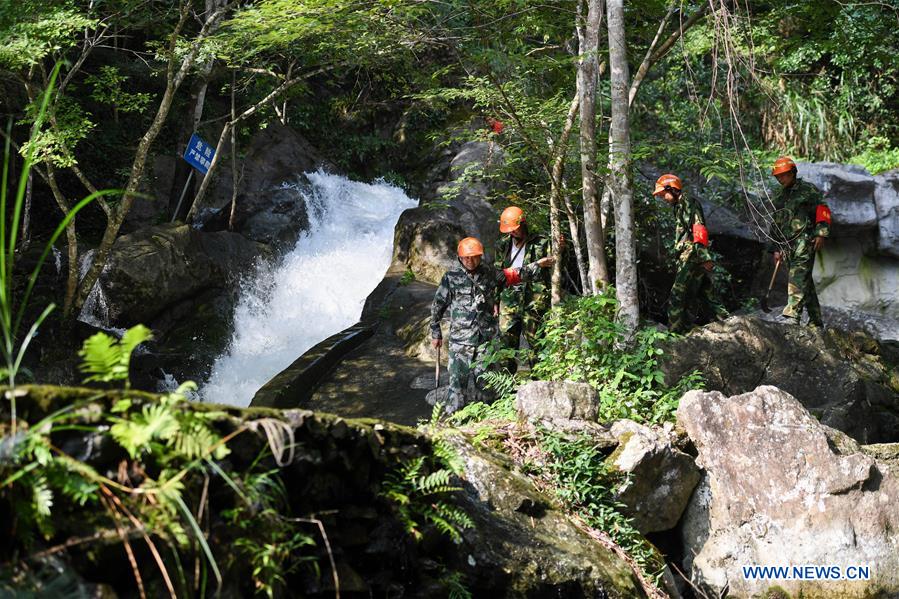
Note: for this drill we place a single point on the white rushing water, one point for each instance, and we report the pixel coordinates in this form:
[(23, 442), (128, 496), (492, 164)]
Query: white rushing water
[(317, 290)]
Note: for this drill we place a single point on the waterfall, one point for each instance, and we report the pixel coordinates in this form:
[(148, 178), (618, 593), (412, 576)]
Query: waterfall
[(316, 290)]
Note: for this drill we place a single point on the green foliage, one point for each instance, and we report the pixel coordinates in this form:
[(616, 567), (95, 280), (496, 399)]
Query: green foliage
[(106, 359), (583, 342), (32, 31), (407, 277), (272, 543), (878, 156), (422, 497), (503, 409), (109, 88), (585, 484)]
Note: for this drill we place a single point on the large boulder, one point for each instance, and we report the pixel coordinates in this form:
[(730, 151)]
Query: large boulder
[(849, 191), (426, 237), (155, 268), (886, 202), (269, 208), (660, 478), (783, 490), (523, 544), (847, 380), (556, 400)]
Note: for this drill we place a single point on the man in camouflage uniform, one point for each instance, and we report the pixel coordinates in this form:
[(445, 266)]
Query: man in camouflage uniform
[(522, 307), (470, 292), (693, 279), (801, 223)]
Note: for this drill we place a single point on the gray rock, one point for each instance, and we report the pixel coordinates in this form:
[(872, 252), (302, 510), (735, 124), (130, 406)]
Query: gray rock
[(781, 492), (522, 544), (849, 191), (886, 201), (549, 400), (842, 378), (426, 237), (660, 478), (155, 268)]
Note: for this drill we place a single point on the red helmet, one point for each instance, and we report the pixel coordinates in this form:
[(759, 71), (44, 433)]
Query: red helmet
[(470, 247), (666, 181), (511, 219), (784, 164)]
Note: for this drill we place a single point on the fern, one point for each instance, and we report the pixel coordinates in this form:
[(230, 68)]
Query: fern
[(156, 421), (106, 359)]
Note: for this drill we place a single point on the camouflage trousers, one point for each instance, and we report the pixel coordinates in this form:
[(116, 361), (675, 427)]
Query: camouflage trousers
[(692, 283), (465, 369), (518, 321), (801, 288)]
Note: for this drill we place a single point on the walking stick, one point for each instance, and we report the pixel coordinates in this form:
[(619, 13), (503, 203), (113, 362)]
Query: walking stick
[(765, 306), (437, 369)]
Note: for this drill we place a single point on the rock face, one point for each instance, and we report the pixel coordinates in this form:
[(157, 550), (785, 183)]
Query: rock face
[(660, 478), (554, 400), (426, 237), (784, 490), (846, 380), (268, 208), (152, 269), (507, 548)]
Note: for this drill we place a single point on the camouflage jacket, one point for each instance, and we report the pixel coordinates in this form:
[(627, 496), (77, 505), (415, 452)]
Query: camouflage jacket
[(535, 292), (795, 215), (688, 212), (470, 298)]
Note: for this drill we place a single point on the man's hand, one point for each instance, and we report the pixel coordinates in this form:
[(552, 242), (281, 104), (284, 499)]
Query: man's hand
[(436, 342), (546, 262), (819, 243), (495, 309), (777, 256), (708, 265)]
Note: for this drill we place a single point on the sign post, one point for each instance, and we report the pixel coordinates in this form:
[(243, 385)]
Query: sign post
[(198, 154)]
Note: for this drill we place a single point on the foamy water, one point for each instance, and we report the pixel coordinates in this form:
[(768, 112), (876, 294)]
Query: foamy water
[(317, 290)]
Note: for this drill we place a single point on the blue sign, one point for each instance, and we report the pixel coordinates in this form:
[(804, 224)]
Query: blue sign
[(199, 153)]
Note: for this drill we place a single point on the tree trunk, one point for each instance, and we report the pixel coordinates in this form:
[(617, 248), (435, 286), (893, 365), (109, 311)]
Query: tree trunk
[(234, 180), (555, 196), (71, 241), (620, 176), (587, 78)]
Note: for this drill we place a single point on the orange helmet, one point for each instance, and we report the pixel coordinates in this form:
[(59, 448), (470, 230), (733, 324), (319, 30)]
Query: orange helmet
[(470, 247), (666, 181), (511, 219), (782, 165)]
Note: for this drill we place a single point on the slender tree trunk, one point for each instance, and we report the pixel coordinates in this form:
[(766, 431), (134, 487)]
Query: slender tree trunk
[(71, 241), (555, 197), (576, 244), (587, 78), (26, 218), (620, 176), (234, 179)]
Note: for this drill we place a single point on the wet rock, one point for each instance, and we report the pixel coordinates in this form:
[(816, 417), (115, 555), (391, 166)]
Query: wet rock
[(550, 400), (155, 268), (779, 491), (842, 378), (660, 478)]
